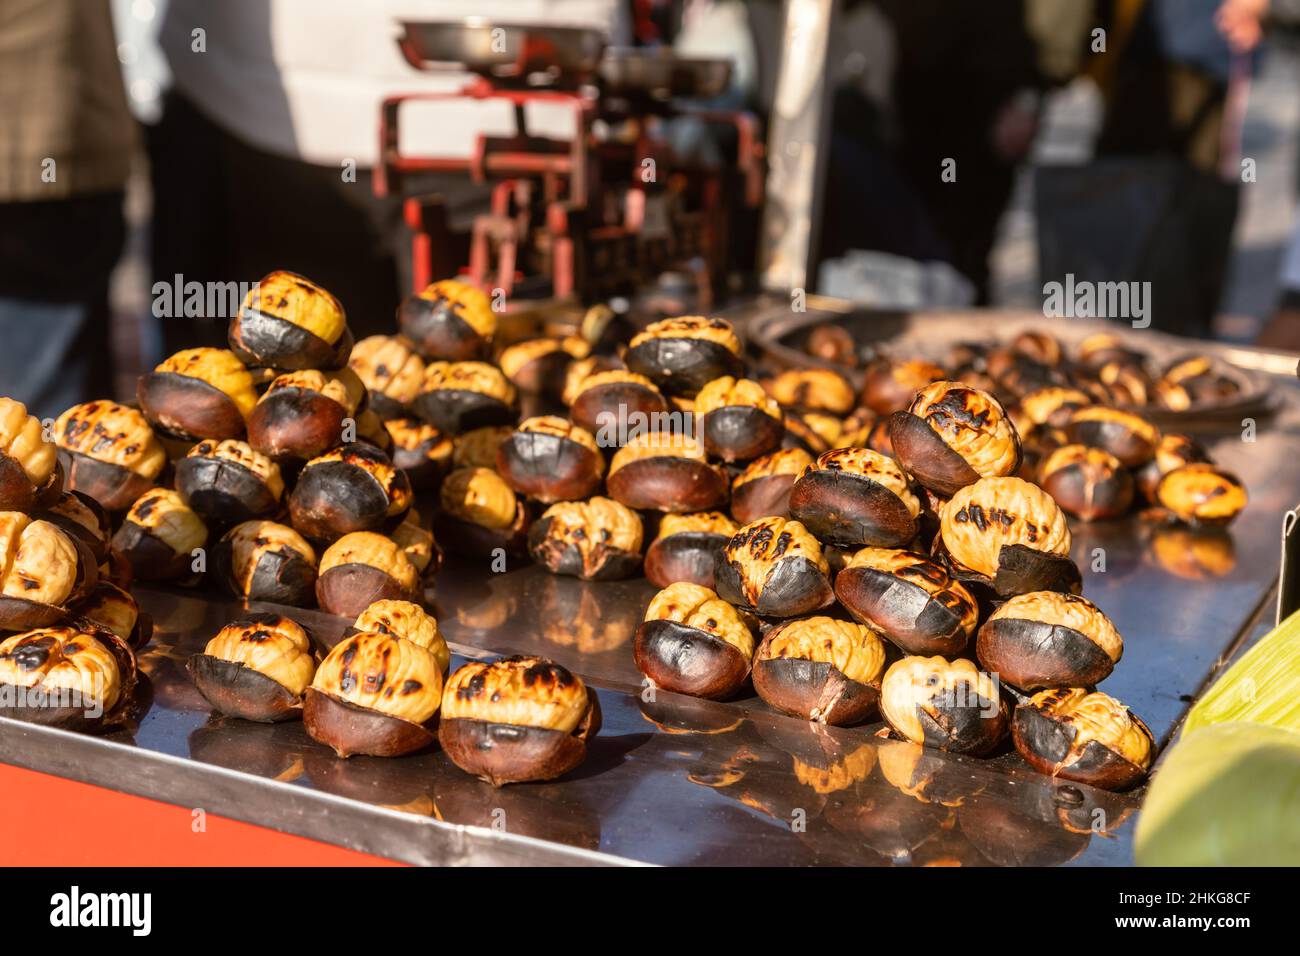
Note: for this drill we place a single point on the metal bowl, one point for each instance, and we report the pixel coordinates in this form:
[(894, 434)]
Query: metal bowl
[(503, 51), (662, 74)]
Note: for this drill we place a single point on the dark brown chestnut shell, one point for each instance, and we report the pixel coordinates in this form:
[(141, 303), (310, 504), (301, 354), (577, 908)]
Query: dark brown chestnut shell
[(281, 577), (909, 615), (926, 457), (472, 540), (961, 726), (1021, 570), (741, 433), (795, 587), (457, 410), (114, 487), (438, 332), (1032, 655), (563, 557), (685, 556), (1090, 492), (1045, 744), (603, 407), (349, 729), (223, 492), (682, 366), (510, 753), (688, 660), (237, 690), (848, 510), (667, 483), (17, 493), (762, 497), (801, 688), (336, 497), (99, 541), (549, 468), (296, 423), (348, 589), (151, 557), (188, 408), (268, 341), (1132, 449)]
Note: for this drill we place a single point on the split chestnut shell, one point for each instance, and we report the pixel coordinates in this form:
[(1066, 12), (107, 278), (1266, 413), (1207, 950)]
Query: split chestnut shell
[(762, 490), (952, 435), (666, 471), (774, 567), (684, 354), (693, 642), (551, 459), (821, 669), (596, 540), (850, 497), (913, 600), (1089, 737), (1048, 639), (687, 548), (289, 322), (256, 668), (944, 704)]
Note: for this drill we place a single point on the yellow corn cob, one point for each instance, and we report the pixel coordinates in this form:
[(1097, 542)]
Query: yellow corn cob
[(1261, 688)]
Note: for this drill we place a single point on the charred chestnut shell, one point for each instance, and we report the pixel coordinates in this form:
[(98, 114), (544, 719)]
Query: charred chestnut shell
[(109, 452), (265, 561), (911, 599), (774, 567), (420, 450), (1088, 737), (226, 482), (662, 471), (361, 568), (890, 385), (1130, 438), (944, 704), (1088, 483), (304, 414), (687, 548), (256, 668), (740, 420), (551, 459), (596, 540), (91, 674), (83, 518), (763, 489), (289, 322), (683, 355), (449, 321), (852, 497), (608, 403), (30, 476), (517, 719), (352, 488), (1048, 639), (460, 396), (198, 393), (1201, 495), (820, 669), (693, 642), (43, 571), (160, 535), (953, 435)]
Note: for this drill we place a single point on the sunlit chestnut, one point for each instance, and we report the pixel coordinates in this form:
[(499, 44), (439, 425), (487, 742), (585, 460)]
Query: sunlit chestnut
[(459, 396), (684, 354), (949, 705), (109, 452), (112, 608), (832, 343), (1048, 406), (350, 488), (539, 366), (391, 370), (67, 677), (666, 471), (84, 519), (1088, 483), (763, 488), (160, 536), (1040, 346), (1201, 494), (596, 540), (30, 476), (693, 642), (264, 561), (517, 719), (820, 669), (478, 447), (1048, 639), (226, 482), (889, 385), (851, 497), (408, 621), (256, 668), (952, 436), (812, 390), (303, 414), (374, 694), (612, 402), (289, 322), (740, 421), (1173, 451), (42, 571), (686, 548), (1075, 734), (1194, 381), (909, 598), (420, 450), (449, 321), (551, 459), (1130, 438), (361, 568), (774, 567), (480, 513), (198, 393), (1124, 383), (1010, 534)]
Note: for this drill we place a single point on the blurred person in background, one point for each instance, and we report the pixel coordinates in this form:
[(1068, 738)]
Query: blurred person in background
[(66, 139)]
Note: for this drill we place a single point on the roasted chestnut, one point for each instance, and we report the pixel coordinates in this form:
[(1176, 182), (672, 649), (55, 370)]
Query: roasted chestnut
[(351, 488), (812, 390), (408, 621), (256, 668), (1047, 639), (109, 452), (65, 677), (740, 421), (374, 694), (265, 561), (1008, 533), (1173, 451), (303, 414), (30, 476), (687, 548), (42, 571), (1088, 483), (952, 436), (480, 514), (944, 704), (517, 719), (1194, 381), (890, 385), (226, 482), (289, 322), (1052, 406), (693, 642), (418, 544), (851, 497), (160, 536), (112, 608), (684, 354), (1201, 494), (449, 321), (81, 516), (911, 599), (1089, 737), (1130, 438), (198, 393), (459, 396), (551, 459), (361, 568), (539, 366), (391, 370), (666, 471), (820, 669), (763, 489), (420, 450), (596, 540), (612, 402), (775, 568)]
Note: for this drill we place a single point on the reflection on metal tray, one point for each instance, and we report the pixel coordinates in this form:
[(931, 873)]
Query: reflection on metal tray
[(781, 334), (662, 74), (502, 51)]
